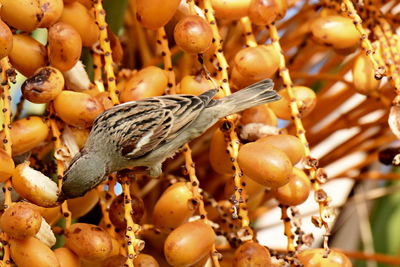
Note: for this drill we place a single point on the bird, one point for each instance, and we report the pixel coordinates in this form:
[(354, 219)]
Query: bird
[(144, 133)]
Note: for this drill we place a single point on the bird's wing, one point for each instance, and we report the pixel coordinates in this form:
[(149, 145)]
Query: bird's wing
[(138, 127), (185, 109), (134, 127)]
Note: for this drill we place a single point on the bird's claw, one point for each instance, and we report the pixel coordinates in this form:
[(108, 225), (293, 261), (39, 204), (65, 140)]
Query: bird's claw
[(155, 170)]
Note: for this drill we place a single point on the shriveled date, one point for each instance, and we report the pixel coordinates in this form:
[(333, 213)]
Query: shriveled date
[(44, 86)]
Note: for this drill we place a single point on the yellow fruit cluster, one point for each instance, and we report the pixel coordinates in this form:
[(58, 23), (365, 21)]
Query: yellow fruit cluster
[(201, 211)]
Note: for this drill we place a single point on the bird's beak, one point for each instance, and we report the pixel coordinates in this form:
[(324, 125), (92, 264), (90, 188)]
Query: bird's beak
[(61, 197)]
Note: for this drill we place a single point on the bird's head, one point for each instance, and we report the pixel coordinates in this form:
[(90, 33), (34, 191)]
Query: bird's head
[(86, 171)]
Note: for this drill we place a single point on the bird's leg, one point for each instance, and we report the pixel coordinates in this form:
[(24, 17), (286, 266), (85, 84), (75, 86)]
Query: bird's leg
[(155, 170)]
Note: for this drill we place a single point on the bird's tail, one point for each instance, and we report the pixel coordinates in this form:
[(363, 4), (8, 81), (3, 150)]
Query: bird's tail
[(256, 94)]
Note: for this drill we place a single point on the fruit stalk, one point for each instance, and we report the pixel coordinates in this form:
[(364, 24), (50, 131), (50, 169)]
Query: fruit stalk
[(239, 203), (166, 54), (106, 49), (248, 32), (7, 143), (134, 245), (366, 44), (300, 132), (58, 151), (97, 68)]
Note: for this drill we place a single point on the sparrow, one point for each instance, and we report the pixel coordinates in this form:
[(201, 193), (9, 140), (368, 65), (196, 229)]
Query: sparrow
[(148, 131)]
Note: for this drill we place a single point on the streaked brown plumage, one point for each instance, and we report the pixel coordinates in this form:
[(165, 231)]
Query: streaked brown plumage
[(146, 132)]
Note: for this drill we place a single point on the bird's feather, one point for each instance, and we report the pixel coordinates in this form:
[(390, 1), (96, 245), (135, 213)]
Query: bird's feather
[(149, 122)]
